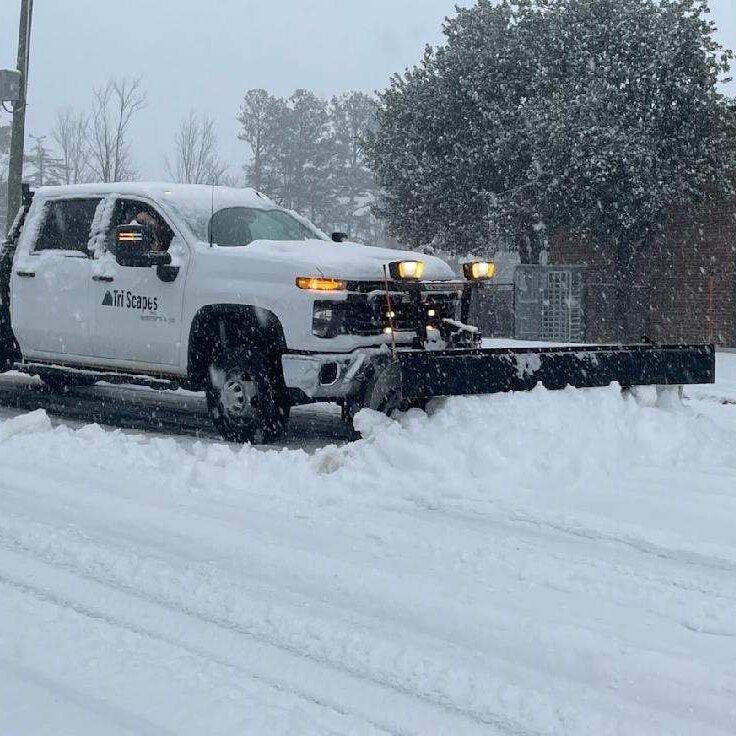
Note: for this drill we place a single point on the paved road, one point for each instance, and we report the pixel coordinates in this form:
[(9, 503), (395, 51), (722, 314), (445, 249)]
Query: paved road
[(160, 412)]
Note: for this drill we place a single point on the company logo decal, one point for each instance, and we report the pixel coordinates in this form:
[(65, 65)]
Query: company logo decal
[(130, 300)]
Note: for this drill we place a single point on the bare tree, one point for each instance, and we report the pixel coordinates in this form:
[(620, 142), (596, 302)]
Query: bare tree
[(113, 108), (196, 160), (71, 134)]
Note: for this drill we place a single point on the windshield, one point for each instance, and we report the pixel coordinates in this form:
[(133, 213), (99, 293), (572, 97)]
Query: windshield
[(236, 226)]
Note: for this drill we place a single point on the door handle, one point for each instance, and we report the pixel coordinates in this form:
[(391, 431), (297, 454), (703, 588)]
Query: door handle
[(103, 278), (26, 274)]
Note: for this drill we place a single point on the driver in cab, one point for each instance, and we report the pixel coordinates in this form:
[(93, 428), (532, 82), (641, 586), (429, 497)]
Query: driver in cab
[(162, 235)]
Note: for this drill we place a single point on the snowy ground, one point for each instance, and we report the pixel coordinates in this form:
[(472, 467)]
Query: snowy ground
[(542, 563)]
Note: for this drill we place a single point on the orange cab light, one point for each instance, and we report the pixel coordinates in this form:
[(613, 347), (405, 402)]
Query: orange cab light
[(319, 283)]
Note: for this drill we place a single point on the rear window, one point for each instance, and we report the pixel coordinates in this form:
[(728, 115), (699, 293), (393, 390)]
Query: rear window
[(66, 225)]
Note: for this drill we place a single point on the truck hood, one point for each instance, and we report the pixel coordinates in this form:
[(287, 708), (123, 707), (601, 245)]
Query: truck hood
[(348, 261)]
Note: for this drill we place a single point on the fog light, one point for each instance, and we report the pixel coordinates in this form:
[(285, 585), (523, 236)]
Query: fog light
[(476, 270), (328, 374), (406, 270)]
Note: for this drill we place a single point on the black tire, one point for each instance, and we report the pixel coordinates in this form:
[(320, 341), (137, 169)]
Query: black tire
[(64, 381), (247, 398)]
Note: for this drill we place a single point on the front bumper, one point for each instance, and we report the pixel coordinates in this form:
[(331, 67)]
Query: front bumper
[(331, 376)]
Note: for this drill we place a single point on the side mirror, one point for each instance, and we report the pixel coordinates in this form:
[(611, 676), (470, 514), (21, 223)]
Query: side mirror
[(156, 258), (133, 244), (339, 237)]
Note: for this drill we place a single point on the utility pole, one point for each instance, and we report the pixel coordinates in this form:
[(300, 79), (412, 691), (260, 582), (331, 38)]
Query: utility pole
[(15, 173)]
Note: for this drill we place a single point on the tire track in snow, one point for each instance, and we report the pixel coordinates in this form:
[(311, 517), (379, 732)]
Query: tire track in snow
[(145, 727), (106, 711), (381, 673), (459, 722), (579, 569), (600, 550), (550, 528), (409, 604)]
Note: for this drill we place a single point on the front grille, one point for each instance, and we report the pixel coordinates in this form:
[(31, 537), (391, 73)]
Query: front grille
[(368, 313)]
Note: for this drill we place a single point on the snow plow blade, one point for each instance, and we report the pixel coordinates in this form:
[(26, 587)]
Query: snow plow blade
[(424, 374)]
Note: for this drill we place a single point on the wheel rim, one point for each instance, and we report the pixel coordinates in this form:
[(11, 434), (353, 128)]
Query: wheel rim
[(237, 397)]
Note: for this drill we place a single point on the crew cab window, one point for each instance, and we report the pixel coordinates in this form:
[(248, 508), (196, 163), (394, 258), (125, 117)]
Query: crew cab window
[(242, 225), (66, 225), (129, 211)]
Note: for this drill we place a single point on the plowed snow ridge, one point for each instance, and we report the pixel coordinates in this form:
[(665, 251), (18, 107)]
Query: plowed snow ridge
[(542, 563)]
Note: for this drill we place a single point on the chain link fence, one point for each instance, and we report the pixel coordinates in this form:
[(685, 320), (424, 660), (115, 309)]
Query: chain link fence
[(543, 303)]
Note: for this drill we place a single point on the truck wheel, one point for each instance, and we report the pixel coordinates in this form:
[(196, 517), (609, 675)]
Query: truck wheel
[(246, 398)]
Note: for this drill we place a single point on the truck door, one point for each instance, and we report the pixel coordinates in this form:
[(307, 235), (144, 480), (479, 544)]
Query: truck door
[(50, 281), (137, 311)]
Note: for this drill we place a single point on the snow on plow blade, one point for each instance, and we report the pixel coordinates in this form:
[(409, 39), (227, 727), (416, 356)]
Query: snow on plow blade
[(425, 374)]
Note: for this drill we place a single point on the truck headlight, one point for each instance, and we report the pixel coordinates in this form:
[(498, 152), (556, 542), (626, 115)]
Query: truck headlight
[(327, 319), (406, 270), (477, 270)]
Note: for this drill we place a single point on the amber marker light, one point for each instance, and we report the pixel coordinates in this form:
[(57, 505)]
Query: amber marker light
[(319, 283)]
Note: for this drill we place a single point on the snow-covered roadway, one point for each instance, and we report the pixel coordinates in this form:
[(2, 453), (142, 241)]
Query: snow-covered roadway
[(543, 563)]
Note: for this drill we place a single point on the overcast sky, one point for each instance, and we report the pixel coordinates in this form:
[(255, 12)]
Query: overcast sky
[(204, 54)]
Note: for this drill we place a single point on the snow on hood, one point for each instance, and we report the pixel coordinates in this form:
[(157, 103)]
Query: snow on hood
[(346, 260)]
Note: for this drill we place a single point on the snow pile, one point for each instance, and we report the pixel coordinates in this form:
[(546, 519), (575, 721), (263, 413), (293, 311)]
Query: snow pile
[(543, 440), (548, 562), (470, 449)]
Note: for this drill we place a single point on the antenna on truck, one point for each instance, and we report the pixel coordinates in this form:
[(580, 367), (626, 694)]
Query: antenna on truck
[(212, 210)]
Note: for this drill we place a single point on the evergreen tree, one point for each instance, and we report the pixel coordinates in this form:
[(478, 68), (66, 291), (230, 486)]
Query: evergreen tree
[(257, 116), (540, 115), (631, 123), (306, 155), (309, 153), (40, 167), (352, 115)]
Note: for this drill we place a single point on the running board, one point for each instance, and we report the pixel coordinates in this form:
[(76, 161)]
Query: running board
[(132, 379), (424, 374)]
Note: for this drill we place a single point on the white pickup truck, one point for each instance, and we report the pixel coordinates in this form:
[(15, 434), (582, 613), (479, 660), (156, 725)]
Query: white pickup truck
[(220, 290)]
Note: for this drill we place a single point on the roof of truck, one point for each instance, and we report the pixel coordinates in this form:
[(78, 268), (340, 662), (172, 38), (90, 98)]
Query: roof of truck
[(191, 204), (161, 191)]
